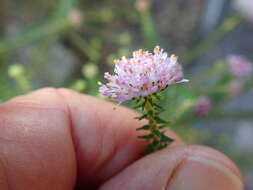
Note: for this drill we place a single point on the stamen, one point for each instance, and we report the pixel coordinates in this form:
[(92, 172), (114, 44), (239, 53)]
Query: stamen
[(173, 58)]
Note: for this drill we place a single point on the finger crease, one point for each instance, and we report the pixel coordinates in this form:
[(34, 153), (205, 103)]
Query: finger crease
[(175, 170)]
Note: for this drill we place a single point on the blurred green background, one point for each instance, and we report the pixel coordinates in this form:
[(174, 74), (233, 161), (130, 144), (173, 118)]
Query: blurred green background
[(71, 43)]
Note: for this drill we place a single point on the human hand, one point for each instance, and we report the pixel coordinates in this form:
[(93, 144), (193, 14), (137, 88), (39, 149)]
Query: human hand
[(58, 139)]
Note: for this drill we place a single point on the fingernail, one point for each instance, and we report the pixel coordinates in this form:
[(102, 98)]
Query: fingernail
[(200, 173)]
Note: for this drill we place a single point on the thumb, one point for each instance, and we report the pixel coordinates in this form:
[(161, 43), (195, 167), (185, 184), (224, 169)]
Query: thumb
[(179, 168)]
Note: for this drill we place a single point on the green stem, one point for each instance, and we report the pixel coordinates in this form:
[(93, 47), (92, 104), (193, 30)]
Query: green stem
[(233, 115), (34, 35), (148, 29), (60, 23), (226, 26), (148, 107), (156, 136)]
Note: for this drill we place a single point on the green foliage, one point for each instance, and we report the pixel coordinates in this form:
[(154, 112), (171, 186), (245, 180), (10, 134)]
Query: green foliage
[(156, 137), (148, 28), (144, 127)]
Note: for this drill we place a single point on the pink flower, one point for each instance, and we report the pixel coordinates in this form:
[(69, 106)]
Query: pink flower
[(245, 7), (239, 65), (143, 74), (202, 106)]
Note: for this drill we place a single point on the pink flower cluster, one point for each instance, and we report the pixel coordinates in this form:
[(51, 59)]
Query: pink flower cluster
[(143, 74), (239, 66)]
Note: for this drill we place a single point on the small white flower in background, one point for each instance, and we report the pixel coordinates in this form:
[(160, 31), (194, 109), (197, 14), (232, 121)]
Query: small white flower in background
[(79, 85), (245, 7), (202, 106), (16, 70), (143, 74), (90, 70), (239, 66), (142, 5), (75, 18)]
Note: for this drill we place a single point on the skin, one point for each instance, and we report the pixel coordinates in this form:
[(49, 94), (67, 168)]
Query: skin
[(57, 139)]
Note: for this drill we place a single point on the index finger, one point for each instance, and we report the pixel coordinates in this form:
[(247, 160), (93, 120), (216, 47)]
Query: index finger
[(46, 134), (105, 137)]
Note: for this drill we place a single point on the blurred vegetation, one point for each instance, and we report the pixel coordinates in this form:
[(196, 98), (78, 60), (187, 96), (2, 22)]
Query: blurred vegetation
[(70, 43)]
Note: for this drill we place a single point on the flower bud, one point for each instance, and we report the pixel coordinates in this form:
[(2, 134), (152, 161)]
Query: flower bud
[(235, 88), (90, 70), (16, 70), (202, 106), (142, 5), (239, 66), (75, 18)]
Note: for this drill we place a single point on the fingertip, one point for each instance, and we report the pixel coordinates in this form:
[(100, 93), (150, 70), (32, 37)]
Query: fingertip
[(205, 168), (179, 167), (213, 154)]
